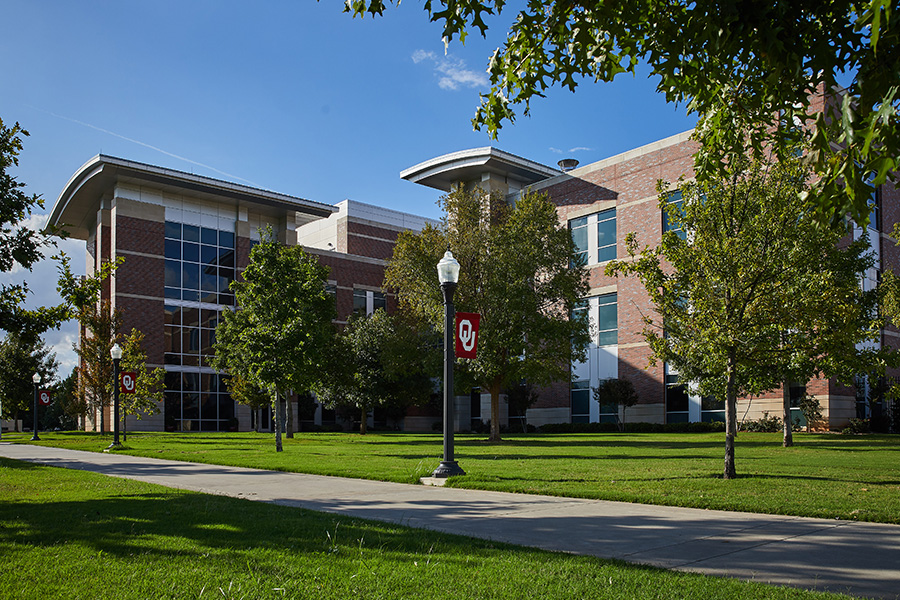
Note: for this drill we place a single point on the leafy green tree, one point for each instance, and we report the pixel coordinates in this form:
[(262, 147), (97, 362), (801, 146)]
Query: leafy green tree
[(148, 386), (100, 325), (278, 336), (20, 358), (514, 271), (20, 245), (244, 392), (64, 409), (741, 66), (618, 392), (380, 360), (752, 292)]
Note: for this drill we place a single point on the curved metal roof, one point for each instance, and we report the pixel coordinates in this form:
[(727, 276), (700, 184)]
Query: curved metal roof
[(76, 207), (471, 165)]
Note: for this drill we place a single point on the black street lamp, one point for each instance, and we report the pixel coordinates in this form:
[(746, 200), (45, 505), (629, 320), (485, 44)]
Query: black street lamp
[(116, 353), (36, 378), (448, 275)]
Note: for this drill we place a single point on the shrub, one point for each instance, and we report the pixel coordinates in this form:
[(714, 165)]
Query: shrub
[(812, 411), (857, 426), (765, 424)]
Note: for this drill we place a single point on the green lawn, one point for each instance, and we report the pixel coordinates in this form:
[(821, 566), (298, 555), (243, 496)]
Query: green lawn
[(77, 535), (824, 475)]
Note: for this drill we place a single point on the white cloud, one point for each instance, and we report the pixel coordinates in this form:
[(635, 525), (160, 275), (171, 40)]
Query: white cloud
[(420, 55), (452, 72), (570, 150)]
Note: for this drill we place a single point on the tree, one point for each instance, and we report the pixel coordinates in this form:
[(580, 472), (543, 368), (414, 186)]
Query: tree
[(99, 332), (278, 336), (747, 67), (20, 245), (618, 392), (64, 408), (244, 392), (380, 360), (750, 291), (148, 386), (515, 272), (20, 358), (520, 398), (100, 324)]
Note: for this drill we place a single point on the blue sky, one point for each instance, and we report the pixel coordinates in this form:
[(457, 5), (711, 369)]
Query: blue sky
[(291, 96)]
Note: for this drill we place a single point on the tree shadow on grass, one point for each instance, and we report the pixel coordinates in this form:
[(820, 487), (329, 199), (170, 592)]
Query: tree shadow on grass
[(124, 518)]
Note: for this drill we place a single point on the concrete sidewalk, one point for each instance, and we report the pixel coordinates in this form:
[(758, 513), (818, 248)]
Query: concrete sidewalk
[(862, 559)]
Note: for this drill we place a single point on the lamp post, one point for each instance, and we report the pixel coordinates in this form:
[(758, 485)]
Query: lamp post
[(36, 378), (116, 353), (448, 275)]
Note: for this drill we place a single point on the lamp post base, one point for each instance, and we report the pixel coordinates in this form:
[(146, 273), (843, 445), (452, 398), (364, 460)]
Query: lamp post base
[(448, 468), (35, 437), (113, 446)]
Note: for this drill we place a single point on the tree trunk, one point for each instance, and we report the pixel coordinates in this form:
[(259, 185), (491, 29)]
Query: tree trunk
[(276, 416), (495, 412), (363, 420), (17, 426), (730, 417), (102, 418), (786, 417), (290, 417)]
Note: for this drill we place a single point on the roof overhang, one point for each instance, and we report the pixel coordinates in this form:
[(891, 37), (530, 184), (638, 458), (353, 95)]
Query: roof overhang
[(473, 165), (76, 207)]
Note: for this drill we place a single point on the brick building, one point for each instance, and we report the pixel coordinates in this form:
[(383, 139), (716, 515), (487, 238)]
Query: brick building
[(600, 203), (184, 239)]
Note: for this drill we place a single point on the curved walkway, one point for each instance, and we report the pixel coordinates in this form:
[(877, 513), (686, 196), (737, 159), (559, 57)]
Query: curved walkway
[(862, 559)]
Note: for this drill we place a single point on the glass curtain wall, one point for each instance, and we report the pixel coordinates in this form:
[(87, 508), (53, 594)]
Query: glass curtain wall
[(200, 265)]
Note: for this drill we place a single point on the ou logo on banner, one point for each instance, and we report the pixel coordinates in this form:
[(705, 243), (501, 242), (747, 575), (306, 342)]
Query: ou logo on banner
[(127, 380), (467, 334), (44, 397)]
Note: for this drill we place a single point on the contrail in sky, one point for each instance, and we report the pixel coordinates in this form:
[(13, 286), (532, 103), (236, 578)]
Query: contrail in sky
[(140, 143)]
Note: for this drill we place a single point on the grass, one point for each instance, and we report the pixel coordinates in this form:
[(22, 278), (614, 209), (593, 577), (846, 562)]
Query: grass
[(824, 475), (78, 535)]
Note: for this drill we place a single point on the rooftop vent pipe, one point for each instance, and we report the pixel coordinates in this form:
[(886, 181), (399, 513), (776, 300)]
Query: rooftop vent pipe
[(567, 164)]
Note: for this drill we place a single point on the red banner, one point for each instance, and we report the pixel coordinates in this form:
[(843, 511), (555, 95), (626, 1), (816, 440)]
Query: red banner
[(467, 334), (44, 397), (127, 380)]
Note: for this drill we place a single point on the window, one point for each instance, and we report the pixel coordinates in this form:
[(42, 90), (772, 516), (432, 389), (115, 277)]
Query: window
[(677, 400), (606, 235), (366, 302), (360, 303), (579, 229), (609, 412), (797, 392), (594, 237), (199, 268), (874, 205), (199, 264), (581, 401), (712, 409), (378, 301), (673, 210), (607, 320), (197, 402)]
